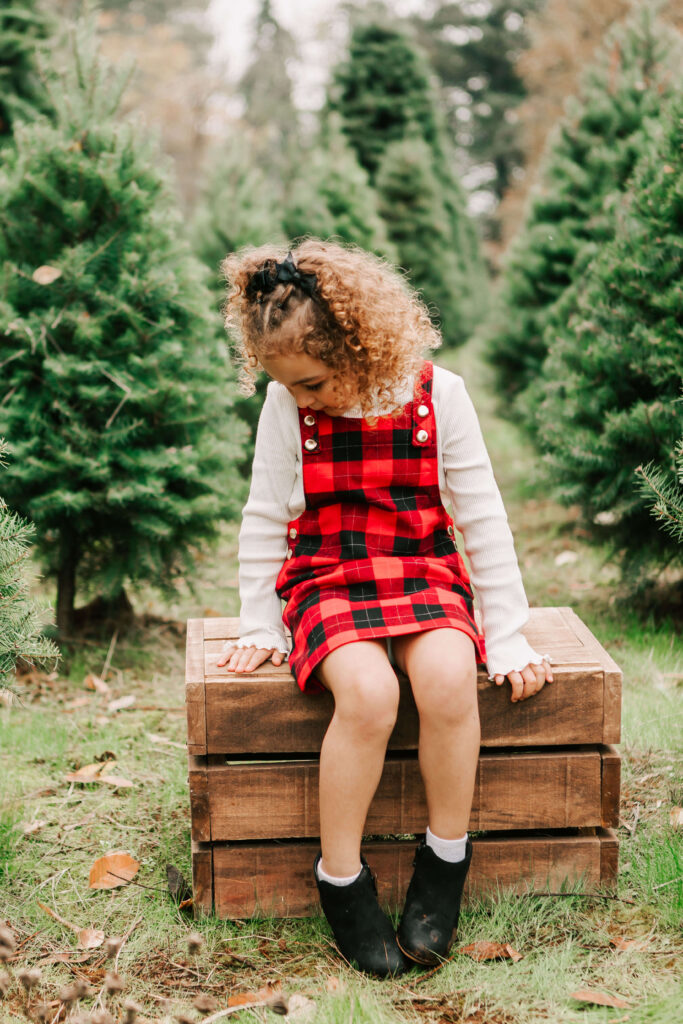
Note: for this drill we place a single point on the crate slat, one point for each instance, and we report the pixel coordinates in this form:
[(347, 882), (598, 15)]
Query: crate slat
[(254, 879), (195, 690), (202, 878), (528, 790)]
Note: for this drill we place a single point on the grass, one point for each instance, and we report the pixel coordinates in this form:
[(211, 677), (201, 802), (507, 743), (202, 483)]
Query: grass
[(52, 830)]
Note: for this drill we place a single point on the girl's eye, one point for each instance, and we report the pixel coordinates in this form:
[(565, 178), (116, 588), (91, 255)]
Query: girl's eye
[(314, 387)]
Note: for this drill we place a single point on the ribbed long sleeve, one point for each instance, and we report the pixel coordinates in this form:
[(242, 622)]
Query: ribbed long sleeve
[(466, 481)]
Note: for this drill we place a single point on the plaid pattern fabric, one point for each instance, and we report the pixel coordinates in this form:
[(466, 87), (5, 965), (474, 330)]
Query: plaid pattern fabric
[(373, 553)]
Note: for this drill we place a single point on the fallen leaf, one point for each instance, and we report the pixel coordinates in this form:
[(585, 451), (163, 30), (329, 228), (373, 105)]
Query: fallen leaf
[(76, 703), (93, 682), (121, 703), (31, 827), (89, 772), (115, 868), (334, 985), (676, 817), (63, 958), (566, 557), (114, 780), (88, 938), (621, 944), (46, 274), (155, 738), (588, 995), (483, 950), (301, 1008)]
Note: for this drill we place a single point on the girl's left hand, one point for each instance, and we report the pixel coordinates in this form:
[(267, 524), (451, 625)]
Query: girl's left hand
[(527, 682)]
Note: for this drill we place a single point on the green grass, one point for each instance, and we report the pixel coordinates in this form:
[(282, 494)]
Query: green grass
[(564, 940)]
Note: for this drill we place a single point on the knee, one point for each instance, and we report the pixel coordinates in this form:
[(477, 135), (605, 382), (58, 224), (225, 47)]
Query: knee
[(369, 704), (447, 694)]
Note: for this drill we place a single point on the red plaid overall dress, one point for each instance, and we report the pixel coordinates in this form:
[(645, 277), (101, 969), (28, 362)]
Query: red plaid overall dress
[(373, 553)]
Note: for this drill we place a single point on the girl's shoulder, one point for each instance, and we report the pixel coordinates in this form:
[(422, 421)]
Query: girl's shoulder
[(446, 382)]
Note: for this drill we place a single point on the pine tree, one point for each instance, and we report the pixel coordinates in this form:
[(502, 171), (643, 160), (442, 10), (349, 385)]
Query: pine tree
[(121, 428), (664, 493), (20, 619), (589, 161), (612, 378), (24, 27), (384, 94)]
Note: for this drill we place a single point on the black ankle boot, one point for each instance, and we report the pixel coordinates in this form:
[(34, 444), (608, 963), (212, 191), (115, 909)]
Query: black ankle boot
[(432, 907), (361, 929)]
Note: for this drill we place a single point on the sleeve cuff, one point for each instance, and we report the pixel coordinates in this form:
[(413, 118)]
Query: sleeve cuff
[(266, 639), (512, 655)]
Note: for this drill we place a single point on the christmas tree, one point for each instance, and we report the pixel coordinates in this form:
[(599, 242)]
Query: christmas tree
[(20, 619), (116, 389), (383, 93), (664, 491), (590, 158), (612, 377), (24, 27)]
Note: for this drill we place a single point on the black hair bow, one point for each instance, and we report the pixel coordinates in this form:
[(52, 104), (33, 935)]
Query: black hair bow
[(274, 273)]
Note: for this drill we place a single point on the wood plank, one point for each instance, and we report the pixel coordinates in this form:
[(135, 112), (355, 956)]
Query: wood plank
[(202, 878), (199, 799), (609, 860), (526, 790), (611, 787), (612, 675), (194, 687), (260, 878), (267, 713)]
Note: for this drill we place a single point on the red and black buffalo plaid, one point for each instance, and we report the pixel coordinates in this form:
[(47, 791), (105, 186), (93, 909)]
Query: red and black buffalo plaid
[(373, 554)]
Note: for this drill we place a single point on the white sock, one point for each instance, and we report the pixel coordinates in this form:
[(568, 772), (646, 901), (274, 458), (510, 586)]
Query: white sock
[(451, 850), (332, 879)]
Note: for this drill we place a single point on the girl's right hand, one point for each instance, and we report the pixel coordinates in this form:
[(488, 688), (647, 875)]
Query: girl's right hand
[(246, 659)]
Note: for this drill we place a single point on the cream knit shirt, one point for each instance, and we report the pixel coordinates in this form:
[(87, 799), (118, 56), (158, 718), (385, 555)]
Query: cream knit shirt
[(466, 482)]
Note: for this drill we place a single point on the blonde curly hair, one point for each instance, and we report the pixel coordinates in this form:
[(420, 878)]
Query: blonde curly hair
[(371, 327)]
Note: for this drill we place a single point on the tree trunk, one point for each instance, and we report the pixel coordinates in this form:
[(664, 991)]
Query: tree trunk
[(66, 583)]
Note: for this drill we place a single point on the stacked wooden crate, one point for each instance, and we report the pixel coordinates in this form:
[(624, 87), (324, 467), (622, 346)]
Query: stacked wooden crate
[(546, 796)]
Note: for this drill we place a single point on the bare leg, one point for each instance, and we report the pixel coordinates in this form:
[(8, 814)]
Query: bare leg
[(365, 690), (441, 666)]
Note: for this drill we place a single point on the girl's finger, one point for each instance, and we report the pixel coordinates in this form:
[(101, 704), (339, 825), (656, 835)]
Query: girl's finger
[(225, 655), (499, 680), (517, 684)]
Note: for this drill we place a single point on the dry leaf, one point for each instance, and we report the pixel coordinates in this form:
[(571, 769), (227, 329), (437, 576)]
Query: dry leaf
[(588, 995), (483, 950), (116, 868), (676, 817), (76, 703), (155, 738), (114, 780), (121, 703), (88, 773), (334, 985), (46, 274), (31, 827), (88, 938), (93, 682), (621, 944), (246, 999), (301, 1008)]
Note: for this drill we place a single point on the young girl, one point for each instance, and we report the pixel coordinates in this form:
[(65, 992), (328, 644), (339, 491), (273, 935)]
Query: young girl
[(360, 443)]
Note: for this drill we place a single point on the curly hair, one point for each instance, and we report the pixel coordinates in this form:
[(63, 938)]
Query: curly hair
[(368, 325)]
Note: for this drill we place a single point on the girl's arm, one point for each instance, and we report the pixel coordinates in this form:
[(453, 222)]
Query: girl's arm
[(263, 537), (479, 514)]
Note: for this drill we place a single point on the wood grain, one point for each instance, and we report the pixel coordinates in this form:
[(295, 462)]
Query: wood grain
[(195, 692), (261, 879), (524, 790), (202, 878)]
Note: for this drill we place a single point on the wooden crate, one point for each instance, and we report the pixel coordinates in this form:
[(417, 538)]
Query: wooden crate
[(546, 794)]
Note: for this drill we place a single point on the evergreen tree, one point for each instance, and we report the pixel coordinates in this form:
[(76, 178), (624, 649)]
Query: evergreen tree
[(412, 204), (589, 161), (113, 402), (331, 195), (612, 378), (20, 619), (384, 94), (664, 493), (24, 27)]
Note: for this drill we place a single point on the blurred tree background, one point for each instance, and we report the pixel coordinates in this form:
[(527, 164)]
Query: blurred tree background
[(503, 154)]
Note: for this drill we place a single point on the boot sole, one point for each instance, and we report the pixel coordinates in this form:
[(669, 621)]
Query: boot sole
[(416, 959)]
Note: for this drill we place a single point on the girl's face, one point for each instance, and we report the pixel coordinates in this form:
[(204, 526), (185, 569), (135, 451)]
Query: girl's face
[(312, 384)]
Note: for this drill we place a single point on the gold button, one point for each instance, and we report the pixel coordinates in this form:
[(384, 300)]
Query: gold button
[(310, 444), (289, 552), (292, 533), (309, 420), (422, 410), (450, 529), (422, 436)]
